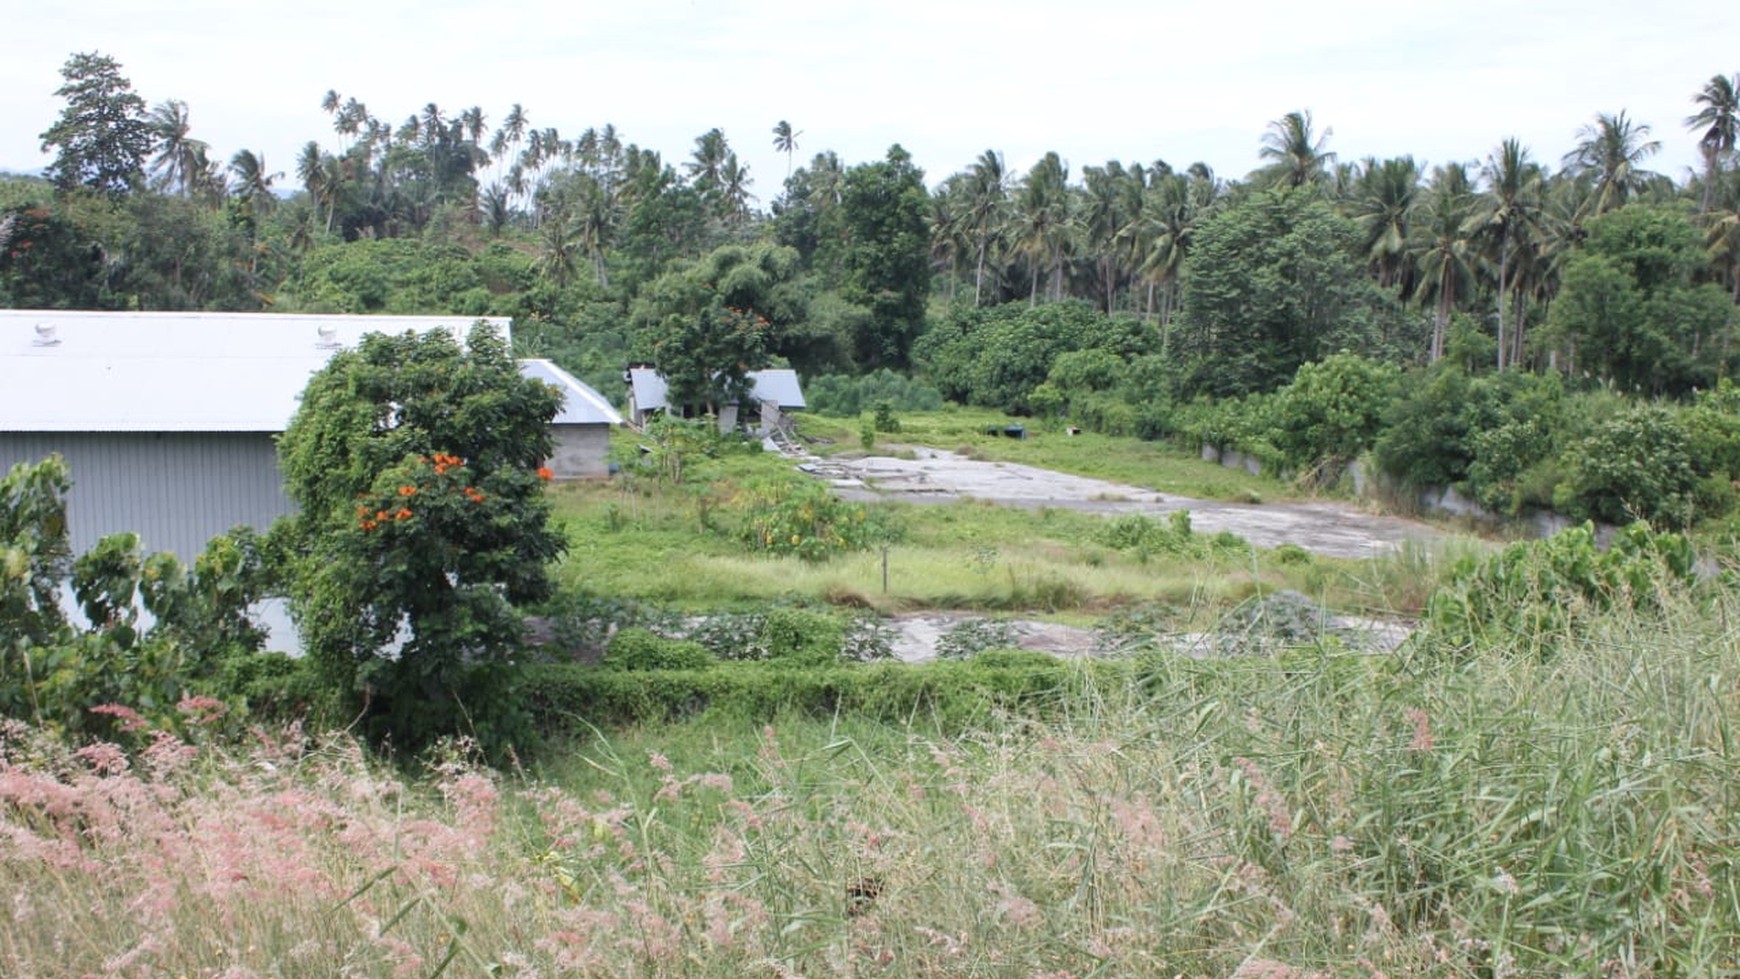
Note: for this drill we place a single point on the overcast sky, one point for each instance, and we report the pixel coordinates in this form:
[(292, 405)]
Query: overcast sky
[(1092, 79)]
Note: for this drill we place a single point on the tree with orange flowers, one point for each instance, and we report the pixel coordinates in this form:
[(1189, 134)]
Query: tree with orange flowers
[(423, 525)]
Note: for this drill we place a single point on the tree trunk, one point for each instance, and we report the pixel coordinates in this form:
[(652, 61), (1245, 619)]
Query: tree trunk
[(1503, 269), (1440, 324), (979, 278), (1518, 327)]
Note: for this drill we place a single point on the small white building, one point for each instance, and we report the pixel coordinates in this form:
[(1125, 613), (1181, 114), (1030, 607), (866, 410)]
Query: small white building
[(581, 430), (772, 392)]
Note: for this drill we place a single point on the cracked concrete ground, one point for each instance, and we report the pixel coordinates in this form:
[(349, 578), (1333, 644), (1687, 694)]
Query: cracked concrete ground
[(939, 476)]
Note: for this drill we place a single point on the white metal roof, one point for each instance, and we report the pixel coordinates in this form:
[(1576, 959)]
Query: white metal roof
[(581, 402), (779, 385), (69, 371)]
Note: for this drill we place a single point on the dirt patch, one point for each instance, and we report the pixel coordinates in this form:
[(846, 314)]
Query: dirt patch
[(939, 476)]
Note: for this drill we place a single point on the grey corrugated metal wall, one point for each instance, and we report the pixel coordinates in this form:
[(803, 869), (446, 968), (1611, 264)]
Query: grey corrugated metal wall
[(177, 490)]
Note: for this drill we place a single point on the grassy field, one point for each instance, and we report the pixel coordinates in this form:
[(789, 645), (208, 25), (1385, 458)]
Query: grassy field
[(1320, 814), (1535, 806), (674, 544)]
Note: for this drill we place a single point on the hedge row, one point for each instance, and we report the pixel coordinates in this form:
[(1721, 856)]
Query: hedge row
[(954, 695)]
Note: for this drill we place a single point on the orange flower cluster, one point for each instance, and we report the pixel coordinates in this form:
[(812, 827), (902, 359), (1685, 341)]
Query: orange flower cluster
[(474, 494), (444, 462), (369, 522), (407, 491), (545, 473)]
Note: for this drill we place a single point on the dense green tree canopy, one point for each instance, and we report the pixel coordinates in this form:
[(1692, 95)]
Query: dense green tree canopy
[(886, 259), (1272, 282), (414, 462), (101, 138), (1629, 310)]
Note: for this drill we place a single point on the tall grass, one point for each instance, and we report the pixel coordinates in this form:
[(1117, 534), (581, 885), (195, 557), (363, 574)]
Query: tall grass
[(1319, 813)]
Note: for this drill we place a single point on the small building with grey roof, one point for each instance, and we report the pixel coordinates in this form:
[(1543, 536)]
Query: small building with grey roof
[(772, 393)]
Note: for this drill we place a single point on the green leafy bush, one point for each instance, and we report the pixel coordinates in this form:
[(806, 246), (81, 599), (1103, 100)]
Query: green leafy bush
[(798, 516), (1532, 594), (1635, 466), (61, 676), (422, 525), (847, 396), (636, 649), (1333, 410), (798, 637)]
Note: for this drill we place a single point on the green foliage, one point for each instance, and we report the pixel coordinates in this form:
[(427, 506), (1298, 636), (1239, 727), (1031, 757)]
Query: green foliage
[(680, 445), (68, 678), (1147, 537), (706, 358), (404, 276), (799, 516), (846, 396), (1628, 307), (637, 649), (886, 419), (997, 357), (1635, 466), (975, 637), (47, 262), (1272, 283), (1333, 410), (1437, 431), (35, 554), (1246, 424), (423, 521), (953, 695), (709, 323), (1533, 595), (101, 138), (1712, 427), (799, 637), (885, 258)]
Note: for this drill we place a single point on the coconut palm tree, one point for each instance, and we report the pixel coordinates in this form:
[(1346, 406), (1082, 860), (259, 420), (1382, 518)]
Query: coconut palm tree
[(1111, 216), (1718, 116), (950, 238), (1722, 232), (708, 161), (1608, 153), (253, 181), (1181, 201), (987, 189), (180, 158), (322, 175), (1506, 216), (734, 195), (1297, 155), (1042, 222), (1440, 246), (1381, 204), (785, 141), (475, 125)]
